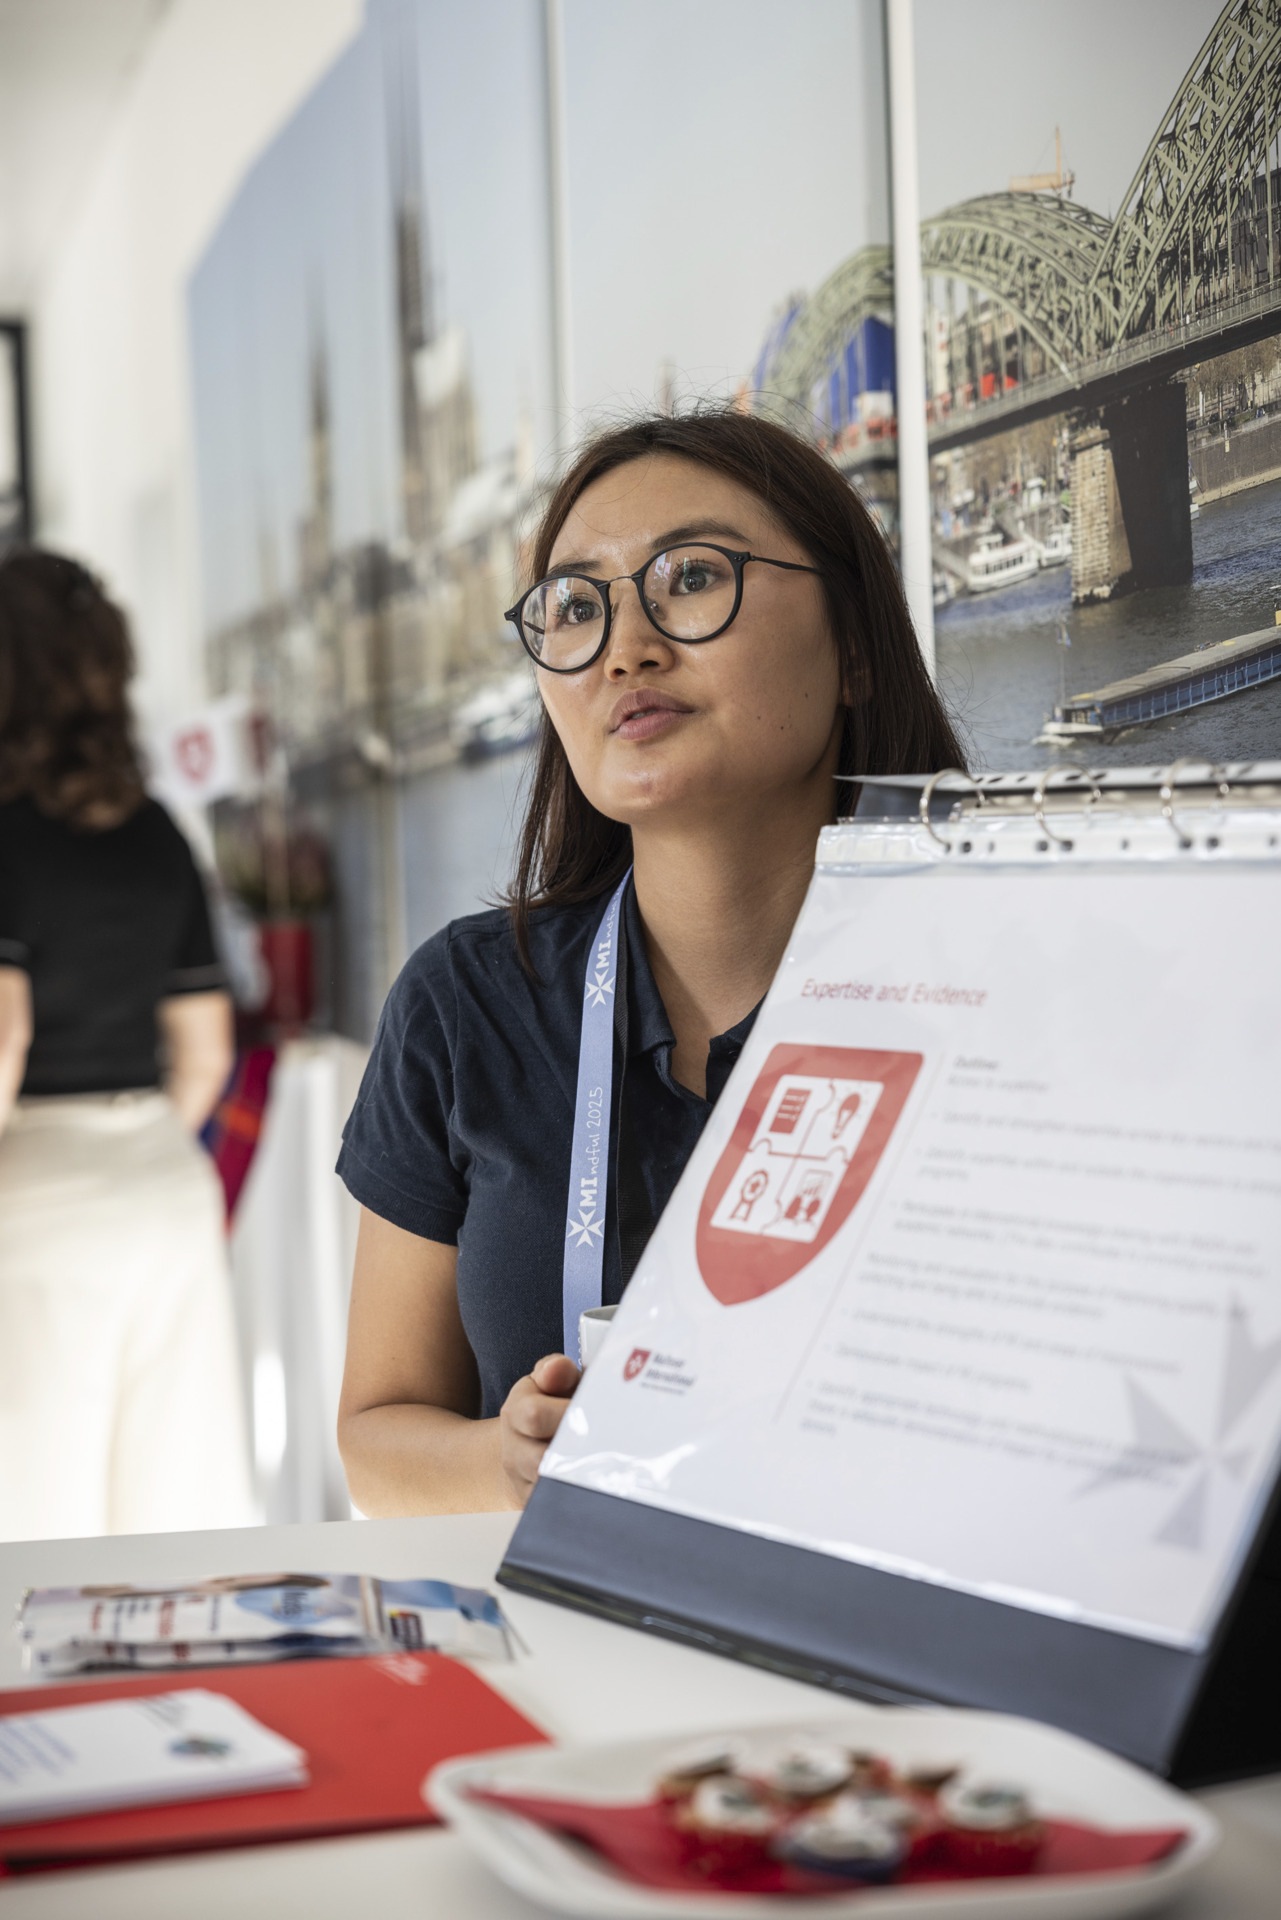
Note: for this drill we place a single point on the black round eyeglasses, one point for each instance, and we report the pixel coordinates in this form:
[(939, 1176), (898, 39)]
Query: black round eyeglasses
[(689, 593)]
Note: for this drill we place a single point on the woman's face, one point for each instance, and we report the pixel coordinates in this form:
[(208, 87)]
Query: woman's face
[(659, 731)]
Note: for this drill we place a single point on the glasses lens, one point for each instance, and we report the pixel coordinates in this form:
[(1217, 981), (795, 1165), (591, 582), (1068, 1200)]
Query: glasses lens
[(563, 622), (690, 592)]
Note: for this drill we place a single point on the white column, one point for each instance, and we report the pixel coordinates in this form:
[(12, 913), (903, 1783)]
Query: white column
[(562, 312), (292, 1249), (913, 446)]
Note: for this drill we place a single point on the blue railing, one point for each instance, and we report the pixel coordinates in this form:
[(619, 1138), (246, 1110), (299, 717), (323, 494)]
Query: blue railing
[(1214, 684)]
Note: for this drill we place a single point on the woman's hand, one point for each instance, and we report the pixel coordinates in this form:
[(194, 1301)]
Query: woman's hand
[(408, 1428), (198, 1032), (15, 1035), (531, 1414)]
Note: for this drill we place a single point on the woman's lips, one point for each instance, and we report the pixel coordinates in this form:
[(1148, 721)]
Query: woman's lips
[(640, 715), (649, 721)]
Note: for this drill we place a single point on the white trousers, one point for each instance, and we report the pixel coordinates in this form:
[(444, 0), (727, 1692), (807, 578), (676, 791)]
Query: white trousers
[(120, 1403)]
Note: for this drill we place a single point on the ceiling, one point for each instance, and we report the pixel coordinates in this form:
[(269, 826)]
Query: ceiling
[(64, 67)]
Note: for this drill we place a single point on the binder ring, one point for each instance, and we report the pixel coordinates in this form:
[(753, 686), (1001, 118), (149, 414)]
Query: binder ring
[(927, 794), (1038, 798), (1168, 779)]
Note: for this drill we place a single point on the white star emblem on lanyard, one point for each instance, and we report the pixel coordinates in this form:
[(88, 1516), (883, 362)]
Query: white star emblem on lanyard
[(597, 989), (585, 1226)]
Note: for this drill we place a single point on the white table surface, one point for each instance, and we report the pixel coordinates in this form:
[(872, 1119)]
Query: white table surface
[(581, 1679)]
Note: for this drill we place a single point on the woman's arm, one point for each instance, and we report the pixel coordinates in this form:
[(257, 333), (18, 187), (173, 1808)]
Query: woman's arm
[(407, 1426), (197, 1031), (15, 1036)]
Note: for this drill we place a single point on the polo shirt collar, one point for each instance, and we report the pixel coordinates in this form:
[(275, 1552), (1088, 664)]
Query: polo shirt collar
[(648, 1028)]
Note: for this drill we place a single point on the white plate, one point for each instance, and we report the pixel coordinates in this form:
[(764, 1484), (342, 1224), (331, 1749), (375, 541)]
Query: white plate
[(1066, 1778)]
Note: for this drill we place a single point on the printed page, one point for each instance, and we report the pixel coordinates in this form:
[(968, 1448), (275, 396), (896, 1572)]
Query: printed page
[(125, 1753), (976, 1272)]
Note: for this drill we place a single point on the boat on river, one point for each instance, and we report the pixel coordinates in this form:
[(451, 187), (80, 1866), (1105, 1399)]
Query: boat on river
[(996, 562), (1056, 548), (1193, 680)]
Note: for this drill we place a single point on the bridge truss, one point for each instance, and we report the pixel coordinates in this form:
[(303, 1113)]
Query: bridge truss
[(1197, 230), (1177, 242)]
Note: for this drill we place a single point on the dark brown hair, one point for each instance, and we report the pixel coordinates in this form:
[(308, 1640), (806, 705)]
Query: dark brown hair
[(896, 723), (66, 737)]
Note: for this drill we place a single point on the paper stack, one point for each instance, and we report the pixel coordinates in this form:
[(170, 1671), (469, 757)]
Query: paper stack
[(253, 1617)]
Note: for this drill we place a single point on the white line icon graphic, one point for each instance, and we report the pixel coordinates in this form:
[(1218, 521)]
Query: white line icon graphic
[(785, 1183)]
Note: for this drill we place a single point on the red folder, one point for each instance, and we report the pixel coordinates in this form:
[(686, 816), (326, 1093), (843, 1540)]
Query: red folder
[(372, 1731)]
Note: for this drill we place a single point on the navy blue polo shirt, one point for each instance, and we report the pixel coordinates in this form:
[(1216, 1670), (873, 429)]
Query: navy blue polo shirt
[(461, 1130)]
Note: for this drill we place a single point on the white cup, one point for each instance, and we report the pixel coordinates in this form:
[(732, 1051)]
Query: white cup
[(592, 1328)]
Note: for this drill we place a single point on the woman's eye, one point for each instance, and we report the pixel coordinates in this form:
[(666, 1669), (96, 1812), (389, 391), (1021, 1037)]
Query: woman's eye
[(575, 611), (694, 577)]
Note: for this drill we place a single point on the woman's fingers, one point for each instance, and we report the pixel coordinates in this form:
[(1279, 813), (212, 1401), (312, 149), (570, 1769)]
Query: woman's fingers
[(535, 1412), (536, 1416), (556, 1374), (531, 1414)]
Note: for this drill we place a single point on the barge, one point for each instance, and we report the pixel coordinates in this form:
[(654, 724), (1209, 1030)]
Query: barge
[(1193, 680)]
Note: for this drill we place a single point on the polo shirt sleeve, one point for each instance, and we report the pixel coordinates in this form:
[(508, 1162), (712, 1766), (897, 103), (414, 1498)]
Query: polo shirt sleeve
[(194, 964), (396, 1156)]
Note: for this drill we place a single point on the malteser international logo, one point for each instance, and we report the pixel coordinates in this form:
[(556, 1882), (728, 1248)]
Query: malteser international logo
[(193, 749), (635, 1362), (809, 1138), (600, 983)]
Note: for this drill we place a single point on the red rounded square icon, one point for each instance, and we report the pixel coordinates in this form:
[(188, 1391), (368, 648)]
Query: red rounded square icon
[(809, 1138)]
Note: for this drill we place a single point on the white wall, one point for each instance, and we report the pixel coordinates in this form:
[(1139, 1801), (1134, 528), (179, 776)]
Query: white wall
[(115, 471)]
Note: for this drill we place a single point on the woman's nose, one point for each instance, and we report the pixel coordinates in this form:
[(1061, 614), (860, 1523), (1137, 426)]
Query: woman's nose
[(633, 642)]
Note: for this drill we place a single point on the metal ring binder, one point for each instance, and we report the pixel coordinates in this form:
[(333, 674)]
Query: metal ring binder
[(1168, 779), (927, 794), (1127, 810), (1038, 798)]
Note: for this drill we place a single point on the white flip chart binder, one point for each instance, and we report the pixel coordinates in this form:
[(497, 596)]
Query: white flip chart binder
[(953, 1369)]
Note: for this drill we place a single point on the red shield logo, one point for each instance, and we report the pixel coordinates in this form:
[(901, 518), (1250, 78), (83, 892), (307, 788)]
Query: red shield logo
[(808, 1140), (194, 752), (635, 1362)]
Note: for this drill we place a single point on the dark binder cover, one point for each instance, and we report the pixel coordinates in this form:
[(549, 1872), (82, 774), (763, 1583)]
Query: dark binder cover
[(1198, 1717)]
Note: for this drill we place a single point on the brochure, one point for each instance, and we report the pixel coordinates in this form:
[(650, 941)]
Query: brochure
[(254, 1617)]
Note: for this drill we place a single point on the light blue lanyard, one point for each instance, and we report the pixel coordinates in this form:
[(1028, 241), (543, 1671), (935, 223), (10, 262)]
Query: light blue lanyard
[(589, 1161)]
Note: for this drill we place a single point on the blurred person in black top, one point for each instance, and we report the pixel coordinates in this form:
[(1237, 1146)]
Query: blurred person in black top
[(119, 1401)]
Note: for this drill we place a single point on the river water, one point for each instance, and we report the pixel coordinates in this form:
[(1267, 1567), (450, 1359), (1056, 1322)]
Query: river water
[(1000, 661)]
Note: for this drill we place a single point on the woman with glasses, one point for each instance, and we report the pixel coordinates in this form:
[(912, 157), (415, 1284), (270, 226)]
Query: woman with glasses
[(718, 632)]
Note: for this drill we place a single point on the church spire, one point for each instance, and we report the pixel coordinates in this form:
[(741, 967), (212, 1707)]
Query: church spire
[(318, 527), (415, 294)]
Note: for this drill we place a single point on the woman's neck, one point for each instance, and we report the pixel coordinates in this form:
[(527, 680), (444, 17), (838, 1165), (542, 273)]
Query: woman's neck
[(718, 905)]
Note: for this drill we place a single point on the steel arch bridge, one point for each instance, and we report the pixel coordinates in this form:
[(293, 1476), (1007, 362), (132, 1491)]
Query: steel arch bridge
[(1184, 247)]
